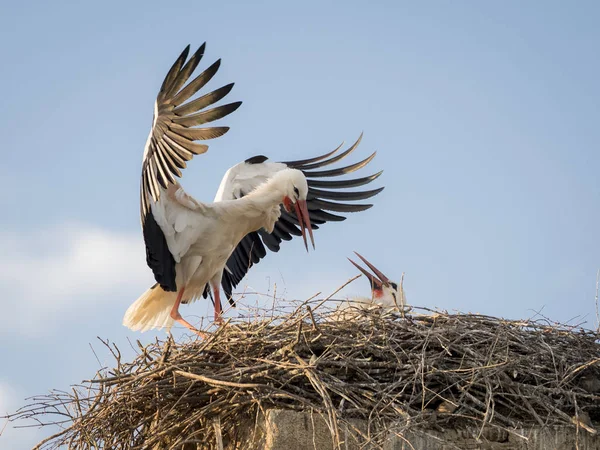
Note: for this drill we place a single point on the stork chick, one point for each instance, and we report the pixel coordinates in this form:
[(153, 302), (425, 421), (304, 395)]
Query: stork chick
[(384, 293)]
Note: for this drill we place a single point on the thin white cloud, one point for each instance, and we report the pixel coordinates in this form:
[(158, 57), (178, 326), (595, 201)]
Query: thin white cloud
[(54, 273), (11, 437), (7, 398), (6, 407)]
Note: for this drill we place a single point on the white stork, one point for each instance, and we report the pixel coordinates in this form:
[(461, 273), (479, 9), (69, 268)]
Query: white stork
[(193, 246), (383, 291)]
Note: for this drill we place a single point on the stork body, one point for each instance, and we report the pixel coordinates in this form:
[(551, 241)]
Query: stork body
[(201, 237)]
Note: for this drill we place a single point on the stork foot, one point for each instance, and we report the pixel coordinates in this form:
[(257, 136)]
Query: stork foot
[(218, 309), (177, 317)]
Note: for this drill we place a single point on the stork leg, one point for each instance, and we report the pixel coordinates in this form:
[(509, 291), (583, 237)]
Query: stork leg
[(217, 293), (176, 316)]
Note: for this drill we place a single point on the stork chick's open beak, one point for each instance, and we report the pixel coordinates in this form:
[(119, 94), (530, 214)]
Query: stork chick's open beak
[(379, 281), (304, 221)]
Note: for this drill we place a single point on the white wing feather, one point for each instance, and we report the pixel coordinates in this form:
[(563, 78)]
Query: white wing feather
[(180, 218)]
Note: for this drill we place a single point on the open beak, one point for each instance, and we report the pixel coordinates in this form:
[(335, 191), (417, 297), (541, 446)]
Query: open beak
[(304, 221), (378, 281)]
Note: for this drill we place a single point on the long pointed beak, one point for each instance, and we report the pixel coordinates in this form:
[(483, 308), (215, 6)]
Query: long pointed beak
[(304, 221), (381, 279)]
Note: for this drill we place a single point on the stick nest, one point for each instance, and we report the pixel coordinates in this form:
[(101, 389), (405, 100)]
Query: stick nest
[(426, 370)]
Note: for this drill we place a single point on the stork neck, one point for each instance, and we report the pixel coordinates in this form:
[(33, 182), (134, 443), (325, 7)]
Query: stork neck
[(267, 195)]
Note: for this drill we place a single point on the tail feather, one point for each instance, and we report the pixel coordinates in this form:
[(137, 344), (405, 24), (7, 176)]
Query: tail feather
[(151, 310)]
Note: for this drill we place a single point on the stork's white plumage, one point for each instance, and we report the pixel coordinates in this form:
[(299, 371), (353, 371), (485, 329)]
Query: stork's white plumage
[(193, 246)]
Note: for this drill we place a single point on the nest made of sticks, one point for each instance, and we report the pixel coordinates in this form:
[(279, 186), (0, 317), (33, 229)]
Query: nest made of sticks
[(427, 369)]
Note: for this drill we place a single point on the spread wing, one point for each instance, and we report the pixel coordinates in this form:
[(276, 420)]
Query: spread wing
[(328, 200), (171, 144)]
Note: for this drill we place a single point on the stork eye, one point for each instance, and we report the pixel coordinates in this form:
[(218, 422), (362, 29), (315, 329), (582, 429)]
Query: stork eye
[(297, 192), (394, 286)]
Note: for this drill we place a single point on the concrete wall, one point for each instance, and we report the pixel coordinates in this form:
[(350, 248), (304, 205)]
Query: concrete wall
[(290, 430)]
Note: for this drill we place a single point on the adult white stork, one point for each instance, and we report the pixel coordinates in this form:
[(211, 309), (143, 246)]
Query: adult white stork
[(189, 243), (383, 291)]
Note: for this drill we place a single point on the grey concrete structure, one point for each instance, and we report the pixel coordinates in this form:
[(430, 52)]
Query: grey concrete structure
[(291, 430)]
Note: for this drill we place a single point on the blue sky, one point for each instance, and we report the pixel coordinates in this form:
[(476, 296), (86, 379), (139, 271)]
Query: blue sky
[(484, 117)]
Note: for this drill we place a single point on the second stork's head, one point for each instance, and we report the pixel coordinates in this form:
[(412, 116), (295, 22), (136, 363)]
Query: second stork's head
[(294, 187), (383, 291)]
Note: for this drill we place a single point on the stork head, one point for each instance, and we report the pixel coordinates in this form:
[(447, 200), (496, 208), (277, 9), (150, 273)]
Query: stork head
[(383, 291), (294, 187)]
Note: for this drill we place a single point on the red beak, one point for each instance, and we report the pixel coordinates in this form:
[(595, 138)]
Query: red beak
[(382, 280), (304, 221)]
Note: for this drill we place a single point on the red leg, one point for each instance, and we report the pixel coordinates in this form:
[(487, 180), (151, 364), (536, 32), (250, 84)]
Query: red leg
[(217, 293), (176, 316)]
